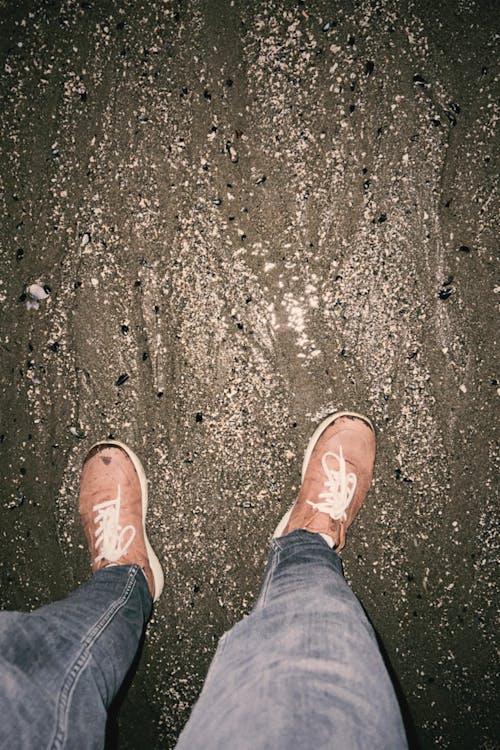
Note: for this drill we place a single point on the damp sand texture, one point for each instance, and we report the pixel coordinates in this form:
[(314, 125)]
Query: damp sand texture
[(220, 222)]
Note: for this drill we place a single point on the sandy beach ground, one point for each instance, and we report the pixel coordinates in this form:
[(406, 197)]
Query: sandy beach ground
[(240, 216)]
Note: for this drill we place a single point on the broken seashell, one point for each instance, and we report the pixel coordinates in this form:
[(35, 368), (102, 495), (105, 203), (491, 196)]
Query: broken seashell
[(37, 292)]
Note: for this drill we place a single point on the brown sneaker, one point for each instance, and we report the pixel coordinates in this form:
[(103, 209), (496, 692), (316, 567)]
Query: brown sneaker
[(113, 504), (336, 474)]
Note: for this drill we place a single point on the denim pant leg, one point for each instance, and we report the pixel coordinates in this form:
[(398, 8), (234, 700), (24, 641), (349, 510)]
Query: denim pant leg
[(303, 670), (61, 665)]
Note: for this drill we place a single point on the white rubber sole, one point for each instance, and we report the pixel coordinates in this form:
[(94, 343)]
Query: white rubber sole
[(307, 455), (154, 563)]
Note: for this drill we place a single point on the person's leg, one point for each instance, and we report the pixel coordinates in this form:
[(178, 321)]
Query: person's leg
[(62, 665), (304, 669)]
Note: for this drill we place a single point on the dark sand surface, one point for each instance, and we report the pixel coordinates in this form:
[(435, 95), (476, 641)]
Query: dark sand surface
[(259, 212)]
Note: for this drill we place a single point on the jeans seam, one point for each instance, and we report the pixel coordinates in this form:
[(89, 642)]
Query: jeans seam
[(82, 659), (269, 578)]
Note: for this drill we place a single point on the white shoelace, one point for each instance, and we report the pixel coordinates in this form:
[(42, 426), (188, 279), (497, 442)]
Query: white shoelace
[(110, 539), (340, 487)]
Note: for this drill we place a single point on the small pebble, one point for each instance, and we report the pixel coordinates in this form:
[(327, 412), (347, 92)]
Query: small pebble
[(445, 292), (122, 379), (419, 81), (451, 117)]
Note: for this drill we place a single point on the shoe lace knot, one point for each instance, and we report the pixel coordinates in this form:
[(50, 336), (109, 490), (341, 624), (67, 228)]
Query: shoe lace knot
[(340, 487), (111, 540)]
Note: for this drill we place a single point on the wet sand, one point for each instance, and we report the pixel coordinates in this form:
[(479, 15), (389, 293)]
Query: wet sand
[(243, 216)]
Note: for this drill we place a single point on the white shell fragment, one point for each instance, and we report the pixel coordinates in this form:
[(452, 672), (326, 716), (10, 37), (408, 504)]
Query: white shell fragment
[(85, 239), (36, 293)]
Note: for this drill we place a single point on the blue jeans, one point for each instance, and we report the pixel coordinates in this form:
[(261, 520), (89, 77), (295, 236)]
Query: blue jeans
[(302, 670)]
